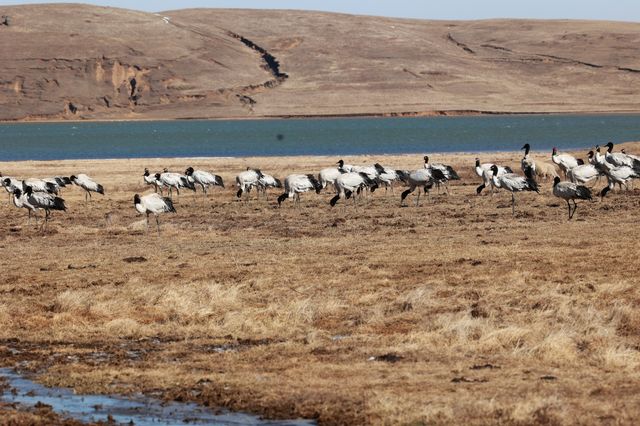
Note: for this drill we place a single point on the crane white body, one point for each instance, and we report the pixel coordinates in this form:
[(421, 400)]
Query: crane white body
[(424, 178), (296, 184), (175, 181), (348, 183), (44, 201), (20, 200), (570, 191), (153, 204), (204, 179), (566, 162), (514, 183), (329, 175), (246, 180), (88, 184), (484, 171)]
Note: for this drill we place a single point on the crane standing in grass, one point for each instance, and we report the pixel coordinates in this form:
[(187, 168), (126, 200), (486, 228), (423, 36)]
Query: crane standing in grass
[(329, 175), (44, 201), (446, 170), (294, 185), (246, 180), (570, 191), (88, 184), (153, 204), (566, 162), (348, 183), (150, 179), (484, 171), (174, 180), (515, 183), (20, 201), (424, 178), (204, 179)]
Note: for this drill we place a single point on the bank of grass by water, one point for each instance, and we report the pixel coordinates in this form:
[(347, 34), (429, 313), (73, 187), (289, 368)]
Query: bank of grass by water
[(452, 312)]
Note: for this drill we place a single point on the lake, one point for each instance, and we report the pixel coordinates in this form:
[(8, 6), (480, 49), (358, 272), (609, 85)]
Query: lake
[(340, 136)]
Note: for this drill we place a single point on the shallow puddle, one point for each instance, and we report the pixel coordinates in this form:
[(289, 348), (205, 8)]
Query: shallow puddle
[(137, 410)]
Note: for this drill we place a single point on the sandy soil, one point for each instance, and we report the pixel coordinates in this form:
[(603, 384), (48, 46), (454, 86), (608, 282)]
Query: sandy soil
[(451, 312)]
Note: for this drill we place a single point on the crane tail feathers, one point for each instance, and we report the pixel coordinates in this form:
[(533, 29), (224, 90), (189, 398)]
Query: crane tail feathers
[(169, 205), (583, 192), (58, 204), (452, 174)]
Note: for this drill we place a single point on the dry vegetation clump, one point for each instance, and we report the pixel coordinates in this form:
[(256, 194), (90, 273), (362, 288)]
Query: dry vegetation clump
[(452, 312)]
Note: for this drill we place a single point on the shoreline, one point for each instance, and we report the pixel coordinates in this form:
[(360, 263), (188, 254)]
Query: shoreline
[(408, 114), (307, 157)]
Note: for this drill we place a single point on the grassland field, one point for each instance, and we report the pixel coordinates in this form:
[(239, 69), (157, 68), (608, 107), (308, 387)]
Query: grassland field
[(451, 312)]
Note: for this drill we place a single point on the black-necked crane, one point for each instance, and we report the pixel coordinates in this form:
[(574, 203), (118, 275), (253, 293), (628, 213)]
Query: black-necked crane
[(59, 182), (349, 183), (329, 175), (20, 200), (584, 173), (423, 178), (10, 184), (175, 181), (634, 157), (40, 185), (621, 175), (515, 183), (345, 167), (204, 179), (44, 201), (246, 180), (296, 184), (620, 159), (484, 171), (265, 182), (447, 171), (151, 179), (154, 204), (570, 191), (387, 177), (566, 162), (373, 173), (88, 184), (527, 162)]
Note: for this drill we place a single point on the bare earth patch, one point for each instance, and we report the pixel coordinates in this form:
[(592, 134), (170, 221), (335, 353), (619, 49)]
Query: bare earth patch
[(451, 312)]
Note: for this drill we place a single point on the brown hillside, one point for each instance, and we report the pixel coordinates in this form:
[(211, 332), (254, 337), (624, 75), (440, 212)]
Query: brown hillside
[(55, 56), (73, 61)]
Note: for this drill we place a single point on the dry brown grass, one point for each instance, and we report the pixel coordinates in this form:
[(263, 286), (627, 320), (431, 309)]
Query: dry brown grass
[(484, 318)]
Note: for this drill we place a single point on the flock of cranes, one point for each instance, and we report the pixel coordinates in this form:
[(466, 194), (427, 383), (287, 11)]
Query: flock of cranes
[(349, 181)]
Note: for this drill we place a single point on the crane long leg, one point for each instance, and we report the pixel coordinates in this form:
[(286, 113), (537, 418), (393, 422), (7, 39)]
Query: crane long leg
[(418, 200), (569, 205), (513, 204), (158, 224), (46, 220)]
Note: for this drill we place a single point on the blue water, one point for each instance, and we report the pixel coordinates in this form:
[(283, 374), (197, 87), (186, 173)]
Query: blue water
[(231, 138), (136, 410)]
